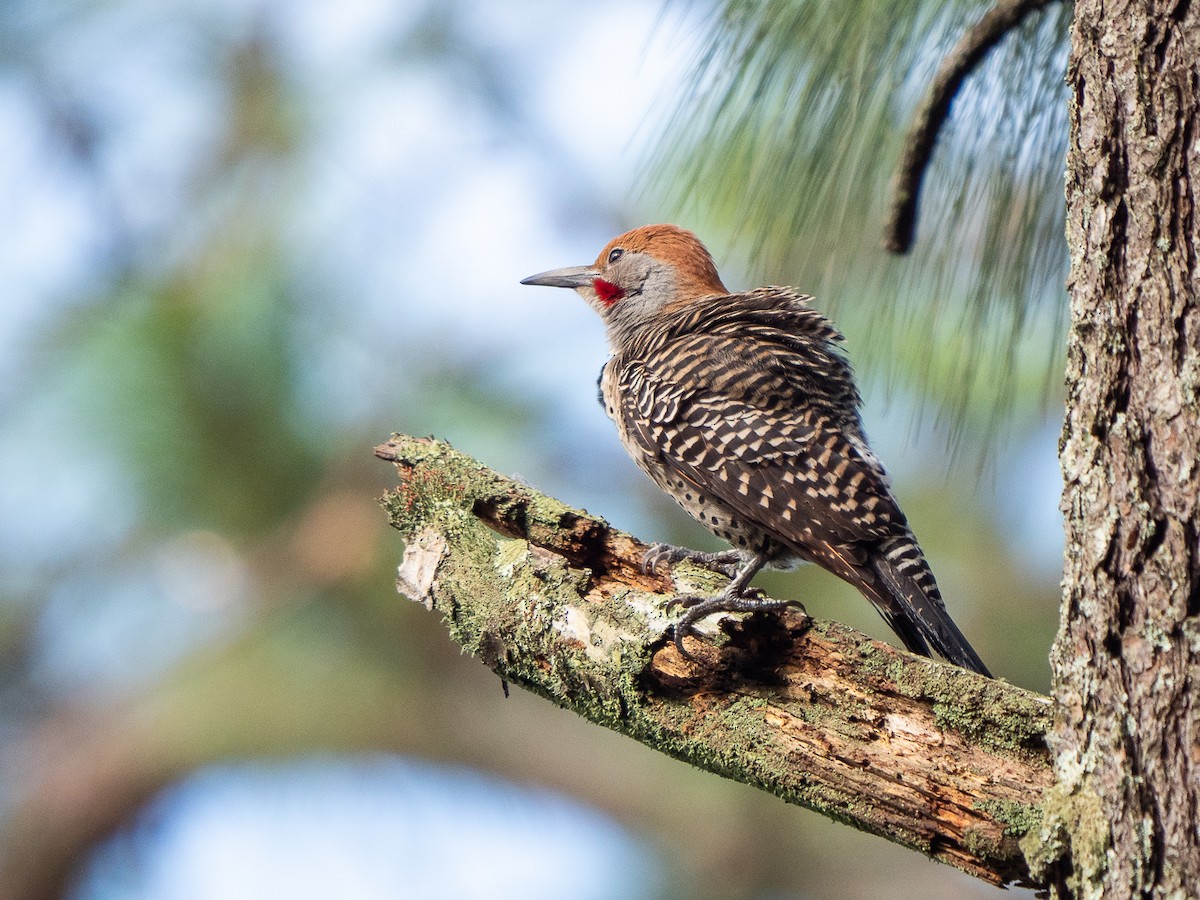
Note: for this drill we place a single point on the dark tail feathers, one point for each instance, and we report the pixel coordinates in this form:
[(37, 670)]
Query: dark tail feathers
[(916, 612)]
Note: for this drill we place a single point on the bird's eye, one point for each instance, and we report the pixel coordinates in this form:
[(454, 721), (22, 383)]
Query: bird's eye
[(616, 254)]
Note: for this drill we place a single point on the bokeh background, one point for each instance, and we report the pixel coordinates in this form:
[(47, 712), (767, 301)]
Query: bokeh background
[(242, 241)]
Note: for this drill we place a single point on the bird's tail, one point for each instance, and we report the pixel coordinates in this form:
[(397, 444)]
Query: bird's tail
[(908, 598)]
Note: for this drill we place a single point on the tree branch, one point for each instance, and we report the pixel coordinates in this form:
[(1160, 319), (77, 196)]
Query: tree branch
[(928, 755), (900, 226)]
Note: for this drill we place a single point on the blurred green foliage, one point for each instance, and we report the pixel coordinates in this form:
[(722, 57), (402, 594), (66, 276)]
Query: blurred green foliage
[(785, 142), (197, 376)]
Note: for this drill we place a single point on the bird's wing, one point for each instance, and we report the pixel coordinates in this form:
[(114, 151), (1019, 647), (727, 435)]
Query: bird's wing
[(736, 426), (793, 463)]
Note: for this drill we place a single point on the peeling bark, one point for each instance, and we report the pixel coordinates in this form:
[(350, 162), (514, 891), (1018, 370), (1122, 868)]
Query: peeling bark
[(928, 755)]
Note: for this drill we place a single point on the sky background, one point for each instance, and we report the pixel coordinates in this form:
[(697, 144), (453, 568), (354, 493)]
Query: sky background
[(243, 241)]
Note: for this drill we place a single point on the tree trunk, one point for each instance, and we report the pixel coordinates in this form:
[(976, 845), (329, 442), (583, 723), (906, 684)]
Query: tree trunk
[(1127, 808)]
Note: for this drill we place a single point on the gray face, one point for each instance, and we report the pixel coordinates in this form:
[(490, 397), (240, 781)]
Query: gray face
[(626, 290), (646, 283)]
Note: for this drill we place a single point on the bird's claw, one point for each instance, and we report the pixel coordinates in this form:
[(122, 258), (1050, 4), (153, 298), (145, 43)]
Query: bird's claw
[(684, 601), (655, 557), (752, 596), (698, 608), (725, 562)]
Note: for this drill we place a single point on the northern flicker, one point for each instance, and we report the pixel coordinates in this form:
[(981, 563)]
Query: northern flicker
[(743, 409)]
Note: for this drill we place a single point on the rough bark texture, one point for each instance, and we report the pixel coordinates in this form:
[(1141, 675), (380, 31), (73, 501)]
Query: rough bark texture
[(1126, 812), (933, 757)]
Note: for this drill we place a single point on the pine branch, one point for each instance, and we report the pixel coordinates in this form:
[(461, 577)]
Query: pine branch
[(930, 756), (900, 227)]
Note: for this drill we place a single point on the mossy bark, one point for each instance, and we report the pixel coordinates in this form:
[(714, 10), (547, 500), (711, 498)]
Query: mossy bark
[(930, 756)]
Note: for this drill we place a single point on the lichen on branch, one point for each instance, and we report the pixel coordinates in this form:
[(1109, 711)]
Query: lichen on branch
[(928, 755)]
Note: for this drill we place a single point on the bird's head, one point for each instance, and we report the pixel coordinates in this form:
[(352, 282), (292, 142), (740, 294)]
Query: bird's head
[(638, 274)]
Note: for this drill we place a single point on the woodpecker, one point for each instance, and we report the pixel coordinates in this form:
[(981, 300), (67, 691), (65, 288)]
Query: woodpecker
[(742, 407)]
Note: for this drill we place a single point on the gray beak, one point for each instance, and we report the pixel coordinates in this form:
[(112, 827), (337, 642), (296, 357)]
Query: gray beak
[(570, 277)]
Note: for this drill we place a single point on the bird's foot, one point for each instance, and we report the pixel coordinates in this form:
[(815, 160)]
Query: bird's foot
[(725, 562), (700, 607)]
